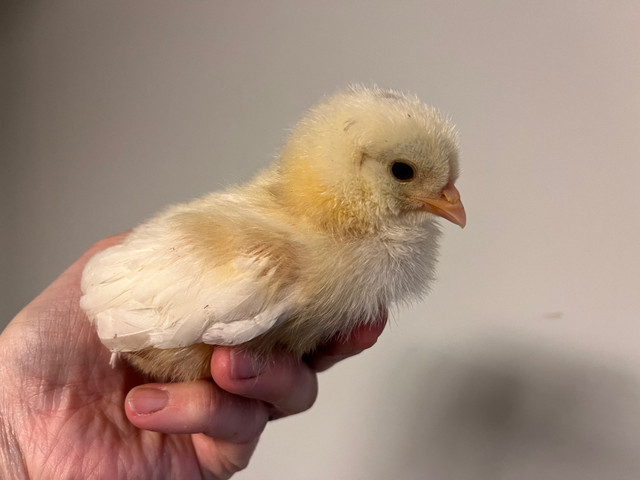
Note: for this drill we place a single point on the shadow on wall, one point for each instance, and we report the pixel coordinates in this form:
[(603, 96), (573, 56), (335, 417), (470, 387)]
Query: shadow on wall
[(501, 410)]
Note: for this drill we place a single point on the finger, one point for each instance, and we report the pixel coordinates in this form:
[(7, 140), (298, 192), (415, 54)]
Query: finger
[(222, 459), (362, 338), (196, 407), (282, 381)]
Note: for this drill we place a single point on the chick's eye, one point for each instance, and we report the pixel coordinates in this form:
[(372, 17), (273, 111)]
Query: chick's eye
[(402, 171)]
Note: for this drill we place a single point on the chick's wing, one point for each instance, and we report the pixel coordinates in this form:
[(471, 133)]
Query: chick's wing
[(201, 280)]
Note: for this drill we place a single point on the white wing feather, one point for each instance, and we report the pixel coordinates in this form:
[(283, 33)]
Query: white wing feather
[(140, 296)]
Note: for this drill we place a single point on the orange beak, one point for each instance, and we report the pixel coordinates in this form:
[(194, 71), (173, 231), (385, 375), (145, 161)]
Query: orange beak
[(447, 206)]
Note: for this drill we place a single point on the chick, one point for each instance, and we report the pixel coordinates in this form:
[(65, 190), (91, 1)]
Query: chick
[(338, 229)]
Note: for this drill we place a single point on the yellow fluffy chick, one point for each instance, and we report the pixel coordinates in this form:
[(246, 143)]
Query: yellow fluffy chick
[(341, 226)]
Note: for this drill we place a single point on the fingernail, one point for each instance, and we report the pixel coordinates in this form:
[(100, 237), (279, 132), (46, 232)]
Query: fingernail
[(146, 400), (244, 366)]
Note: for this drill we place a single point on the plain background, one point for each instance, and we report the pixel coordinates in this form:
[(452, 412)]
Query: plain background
[(523, 363)]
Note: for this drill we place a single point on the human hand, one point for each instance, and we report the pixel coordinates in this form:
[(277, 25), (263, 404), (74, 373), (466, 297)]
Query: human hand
[(65, 413)]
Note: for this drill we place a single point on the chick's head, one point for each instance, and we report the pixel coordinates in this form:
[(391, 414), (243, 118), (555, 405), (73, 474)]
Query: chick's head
[(368, 156)]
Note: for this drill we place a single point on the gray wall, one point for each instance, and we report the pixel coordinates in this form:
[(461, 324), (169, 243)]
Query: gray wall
[(523, 363)]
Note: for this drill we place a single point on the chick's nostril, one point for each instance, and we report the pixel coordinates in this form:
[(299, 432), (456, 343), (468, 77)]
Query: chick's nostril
[(450, 193)]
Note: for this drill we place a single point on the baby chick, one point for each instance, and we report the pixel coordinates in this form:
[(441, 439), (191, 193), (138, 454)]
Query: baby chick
[(339, 228)]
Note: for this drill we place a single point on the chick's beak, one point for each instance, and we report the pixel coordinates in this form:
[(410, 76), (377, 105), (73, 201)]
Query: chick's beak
[(447, 206)]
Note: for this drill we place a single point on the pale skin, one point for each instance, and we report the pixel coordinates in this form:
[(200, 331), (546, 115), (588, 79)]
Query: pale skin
[(65, 413)]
